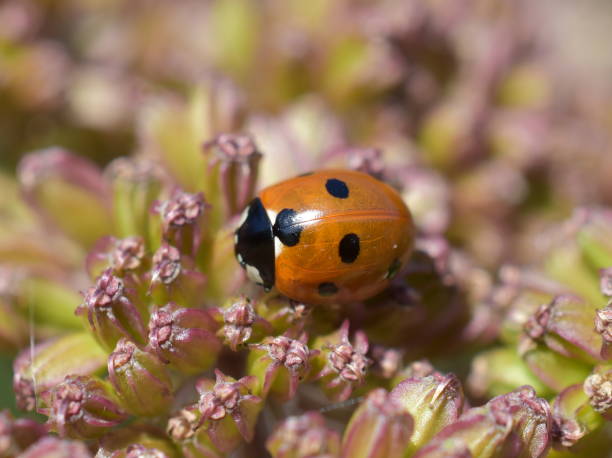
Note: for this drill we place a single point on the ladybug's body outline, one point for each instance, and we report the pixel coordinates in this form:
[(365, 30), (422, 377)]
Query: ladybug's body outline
[(332, 236)]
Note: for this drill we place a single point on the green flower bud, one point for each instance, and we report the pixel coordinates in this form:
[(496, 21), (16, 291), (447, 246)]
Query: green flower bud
[(182, 217), (514, 424), (223, 279), (228, 411), (283, 313), (379, 428), (38, 370), (522, 292), (594, 235), (57, 183), (433, 402), (598, 387), (171, 280), (236, 158), (556, 371), (49, 303), (240, 323), (83, 407), (566, 263), (183, 429), (302, 437), (565, 325), (135, 184), (140, 380), (572, 417), (126, 257), (184, 338), (347, 364), (111, 314), (280, 363), (500, 370), (179, 154)]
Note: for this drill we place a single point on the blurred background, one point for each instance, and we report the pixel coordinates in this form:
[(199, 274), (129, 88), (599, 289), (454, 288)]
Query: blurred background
[(492, 118), (507, 103)]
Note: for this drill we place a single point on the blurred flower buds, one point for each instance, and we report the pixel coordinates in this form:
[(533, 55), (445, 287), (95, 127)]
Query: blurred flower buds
[(184, 338), (140, 380)]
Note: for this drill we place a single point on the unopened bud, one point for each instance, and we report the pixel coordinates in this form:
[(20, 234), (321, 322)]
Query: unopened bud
[(347, 363), (228, 410), (237, 159), (302, 437), (184, 338), (379, 428), (111, 314), (434, 402), (36, 371), (518, 423), (280, 363), (140, 380), (68, 191), (84, 408)]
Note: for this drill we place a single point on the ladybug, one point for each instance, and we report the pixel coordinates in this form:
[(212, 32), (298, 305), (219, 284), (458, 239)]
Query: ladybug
[(332, 236)]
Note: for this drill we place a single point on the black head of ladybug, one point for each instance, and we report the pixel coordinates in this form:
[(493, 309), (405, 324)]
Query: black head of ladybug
[(254, 244)]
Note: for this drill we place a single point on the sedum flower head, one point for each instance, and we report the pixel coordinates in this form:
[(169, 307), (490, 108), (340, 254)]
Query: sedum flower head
[(598, 387), (237, 159), (110, 313), (184, 338), (380, 427), (226, 410), (140, 380), (517, 423), (433, 401), (347, 363), (282, 362), (83, 407), (240, 321)]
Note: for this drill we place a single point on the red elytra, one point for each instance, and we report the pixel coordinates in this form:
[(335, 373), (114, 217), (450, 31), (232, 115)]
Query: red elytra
[(332, 236)]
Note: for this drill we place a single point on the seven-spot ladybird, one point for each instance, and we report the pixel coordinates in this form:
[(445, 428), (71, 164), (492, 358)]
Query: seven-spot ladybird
[(332, 236)]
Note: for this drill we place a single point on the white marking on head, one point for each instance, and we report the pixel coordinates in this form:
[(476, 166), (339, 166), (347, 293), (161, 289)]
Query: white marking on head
[(278, 247), (239, 257), (244, 216), (271, 215), (254, 274), (395, 246), (235, 238)]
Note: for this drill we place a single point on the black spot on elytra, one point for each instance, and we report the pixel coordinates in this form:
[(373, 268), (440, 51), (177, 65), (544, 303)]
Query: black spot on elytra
[(287, 228), (393, 268), (348, 249), (327, 289), (337, 188)]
